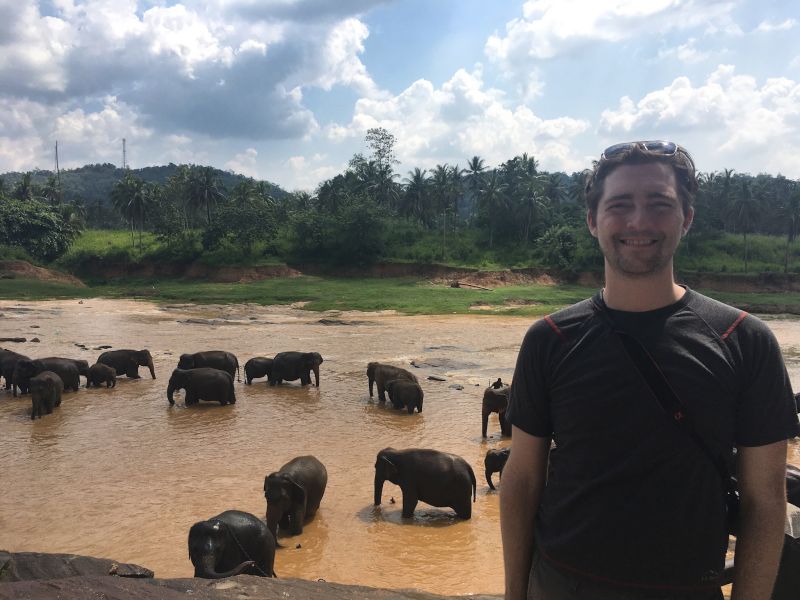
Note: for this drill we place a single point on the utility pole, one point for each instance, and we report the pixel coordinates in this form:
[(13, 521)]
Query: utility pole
[(58, 176), (444, 233), (124, 155)]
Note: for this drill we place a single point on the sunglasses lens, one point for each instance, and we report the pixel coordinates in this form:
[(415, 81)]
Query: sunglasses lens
[(617, 149), (660, 147)]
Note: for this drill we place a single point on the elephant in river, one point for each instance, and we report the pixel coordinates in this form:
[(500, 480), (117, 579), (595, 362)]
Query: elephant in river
[(46, 388), (294, 493), (232, 543), (260, 366), (495, 399), (288, 366), (65, 368), (127, 362), (380, 373), (494, 462), (436, 478), (217, 359), (100, 373), (204, 383), (405, 394), (8, 360)]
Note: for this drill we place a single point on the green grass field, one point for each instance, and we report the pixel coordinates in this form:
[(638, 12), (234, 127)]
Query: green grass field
[(405, 295)]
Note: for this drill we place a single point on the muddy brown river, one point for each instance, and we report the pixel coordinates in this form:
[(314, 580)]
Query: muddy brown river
[(118, 473)]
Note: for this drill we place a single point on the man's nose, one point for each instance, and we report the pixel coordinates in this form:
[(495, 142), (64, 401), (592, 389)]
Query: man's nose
[(638, 217)]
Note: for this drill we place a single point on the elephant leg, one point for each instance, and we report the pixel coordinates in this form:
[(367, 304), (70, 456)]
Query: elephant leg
[(410, 407), (298, 516), (484, 421), (419, 405), (190, 398), (463, 510), (381, 392), (505, 426), (410, 500), (305, 379)]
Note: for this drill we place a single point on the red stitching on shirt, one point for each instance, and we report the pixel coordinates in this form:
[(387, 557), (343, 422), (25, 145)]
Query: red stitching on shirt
[(555, 328), (735, 324)]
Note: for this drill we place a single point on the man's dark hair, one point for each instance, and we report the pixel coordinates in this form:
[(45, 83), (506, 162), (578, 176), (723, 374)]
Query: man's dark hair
[(681, 163)]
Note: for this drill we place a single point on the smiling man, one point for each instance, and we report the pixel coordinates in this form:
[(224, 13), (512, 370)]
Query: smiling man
[(645, 390)]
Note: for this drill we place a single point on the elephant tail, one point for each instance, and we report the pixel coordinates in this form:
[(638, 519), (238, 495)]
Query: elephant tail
[(474, 482)]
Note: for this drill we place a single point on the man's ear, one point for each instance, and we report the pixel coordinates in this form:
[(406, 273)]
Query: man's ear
[(590, 222), (688, 219)]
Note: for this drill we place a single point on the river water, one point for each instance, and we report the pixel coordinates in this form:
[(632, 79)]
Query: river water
[(118, 473)]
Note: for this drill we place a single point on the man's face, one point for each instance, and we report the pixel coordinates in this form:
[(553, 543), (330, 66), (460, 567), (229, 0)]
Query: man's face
[(640, 219)]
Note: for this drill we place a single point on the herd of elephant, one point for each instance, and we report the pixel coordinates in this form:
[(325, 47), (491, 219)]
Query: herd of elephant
[(235, 542)]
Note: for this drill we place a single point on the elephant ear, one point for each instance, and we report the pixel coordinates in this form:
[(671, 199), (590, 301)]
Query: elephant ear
[(272, 487), (298, 493), (391, 468)]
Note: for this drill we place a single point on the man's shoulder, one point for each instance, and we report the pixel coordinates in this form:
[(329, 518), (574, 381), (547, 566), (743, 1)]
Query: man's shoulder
[(723, 318), (562, 324)]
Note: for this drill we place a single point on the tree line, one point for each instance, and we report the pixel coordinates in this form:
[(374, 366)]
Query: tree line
[(512, 213)]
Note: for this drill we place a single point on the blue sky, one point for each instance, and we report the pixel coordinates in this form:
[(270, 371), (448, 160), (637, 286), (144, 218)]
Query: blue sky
[(285, 90)]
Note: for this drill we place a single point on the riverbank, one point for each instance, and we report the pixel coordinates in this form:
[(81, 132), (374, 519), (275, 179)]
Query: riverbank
[(405, 288)]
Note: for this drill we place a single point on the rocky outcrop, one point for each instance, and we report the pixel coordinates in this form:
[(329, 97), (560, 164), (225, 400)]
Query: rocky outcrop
[(39, 576)]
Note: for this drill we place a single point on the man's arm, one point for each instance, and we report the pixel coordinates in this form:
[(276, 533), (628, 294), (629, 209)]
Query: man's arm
[(761, 472), (521, 490)]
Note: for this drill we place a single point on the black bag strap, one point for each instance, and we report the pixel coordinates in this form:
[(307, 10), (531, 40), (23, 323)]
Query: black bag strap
[(670, 402)]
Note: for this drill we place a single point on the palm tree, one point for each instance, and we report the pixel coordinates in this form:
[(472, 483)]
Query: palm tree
[(491, 195), (415, 197), (474, 179), (24, 189), (132, 197), (204, 189), (744, 213), (792, 216)]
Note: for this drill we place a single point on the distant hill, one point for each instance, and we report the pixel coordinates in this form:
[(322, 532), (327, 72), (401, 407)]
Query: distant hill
[(93, 183)]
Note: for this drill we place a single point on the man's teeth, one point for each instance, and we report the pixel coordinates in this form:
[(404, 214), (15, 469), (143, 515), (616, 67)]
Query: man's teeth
[(637, 242)]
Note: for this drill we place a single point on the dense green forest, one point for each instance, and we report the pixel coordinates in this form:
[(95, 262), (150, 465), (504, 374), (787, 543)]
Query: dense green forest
[(509, 215)]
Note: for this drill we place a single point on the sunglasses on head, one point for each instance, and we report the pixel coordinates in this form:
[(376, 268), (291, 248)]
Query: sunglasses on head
[(660, 147)]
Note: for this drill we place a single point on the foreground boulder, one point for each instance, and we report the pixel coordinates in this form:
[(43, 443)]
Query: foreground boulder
[(27, 566), (40, 576)]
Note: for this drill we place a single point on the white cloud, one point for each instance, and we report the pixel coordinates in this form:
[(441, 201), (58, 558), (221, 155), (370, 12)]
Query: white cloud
[(306, 174), (244, 163), (685, 53), (460, 119), (729, 114), (206, 68), (766, 26), (550, 28)]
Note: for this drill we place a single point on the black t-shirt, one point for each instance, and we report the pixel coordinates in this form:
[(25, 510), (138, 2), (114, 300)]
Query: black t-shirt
[(630, 499)]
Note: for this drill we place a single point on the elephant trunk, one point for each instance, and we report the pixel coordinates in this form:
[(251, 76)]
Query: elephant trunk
[(273, 517), (207, 569), (170, 390), (151, 367), (316, 375), (372, 380), (489, 478), (378, 488)]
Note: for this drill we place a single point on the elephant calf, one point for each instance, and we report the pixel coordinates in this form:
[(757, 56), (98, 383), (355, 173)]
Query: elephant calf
[(495, 399), (294, 494), (100, 373), (46, 388), (405, 393), (494, 462), (260, 366), (380, 374), (436, 478), (231, 543)]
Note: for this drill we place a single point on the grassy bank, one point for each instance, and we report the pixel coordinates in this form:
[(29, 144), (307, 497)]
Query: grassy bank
[(405, 295)]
